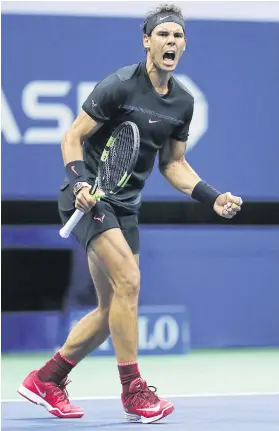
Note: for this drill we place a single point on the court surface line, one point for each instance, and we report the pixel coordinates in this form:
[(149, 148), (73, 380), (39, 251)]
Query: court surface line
[(205, 395)]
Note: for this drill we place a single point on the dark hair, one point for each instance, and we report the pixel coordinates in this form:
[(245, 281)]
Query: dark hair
[(161, 9)]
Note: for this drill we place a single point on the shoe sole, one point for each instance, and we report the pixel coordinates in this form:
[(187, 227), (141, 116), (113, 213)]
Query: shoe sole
[(130, 417), (36, 399)]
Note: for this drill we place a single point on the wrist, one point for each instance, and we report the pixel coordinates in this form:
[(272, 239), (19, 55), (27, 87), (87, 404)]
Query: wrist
[(78, 186), (76, 172), (205, 193)]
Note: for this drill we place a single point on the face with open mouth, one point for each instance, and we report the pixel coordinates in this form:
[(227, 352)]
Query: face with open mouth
[(165, 45)]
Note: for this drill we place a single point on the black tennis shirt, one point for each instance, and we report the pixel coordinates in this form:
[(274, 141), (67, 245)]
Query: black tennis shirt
[(128, 95)]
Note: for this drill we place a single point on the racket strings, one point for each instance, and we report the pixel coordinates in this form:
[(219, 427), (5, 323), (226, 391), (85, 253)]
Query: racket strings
[(118, 161)]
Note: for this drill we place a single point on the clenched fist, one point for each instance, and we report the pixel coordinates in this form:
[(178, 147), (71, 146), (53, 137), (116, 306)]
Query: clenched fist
[(85, 201), (227, 205)]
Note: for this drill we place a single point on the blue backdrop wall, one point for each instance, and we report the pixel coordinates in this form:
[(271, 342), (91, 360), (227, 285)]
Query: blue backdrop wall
[(231, 67)]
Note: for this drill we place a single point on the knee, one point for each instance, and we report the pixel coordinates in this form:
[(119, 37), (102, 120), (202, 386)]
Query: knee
[(127, 283)]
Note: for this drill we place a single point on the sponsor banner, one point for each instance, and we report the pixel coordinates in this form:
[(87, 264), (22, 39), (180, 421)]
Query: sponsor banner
[(162, 330)]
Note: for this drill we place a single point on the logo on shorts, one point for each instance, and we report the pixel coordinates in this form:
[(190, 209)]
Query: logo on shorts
[(101, 219)]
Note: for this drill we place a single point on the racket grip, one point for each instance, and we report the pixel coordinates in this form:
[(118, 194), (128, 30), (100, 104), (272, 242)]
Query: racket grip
[(66, 230)]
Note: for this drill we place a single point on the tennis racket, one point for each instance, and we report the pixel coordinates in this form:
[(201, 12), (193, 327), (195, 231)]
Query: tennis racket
[(115, 168)]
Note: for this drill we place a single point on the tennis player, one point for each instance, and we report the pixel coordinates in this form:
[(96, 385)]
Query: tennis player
[(147, 94)]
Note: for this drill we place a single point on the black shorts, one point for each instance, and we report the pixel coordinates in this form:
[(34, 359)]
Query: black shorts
[(103, 216)]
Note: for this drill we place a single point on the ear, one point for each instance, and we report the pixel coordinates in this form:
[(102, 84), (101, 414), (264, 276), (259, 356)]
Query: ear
[(146, 41)]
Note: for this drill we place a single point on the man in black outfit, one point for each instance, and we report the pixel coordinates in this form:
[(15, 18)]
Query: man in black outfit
[(147, 94)]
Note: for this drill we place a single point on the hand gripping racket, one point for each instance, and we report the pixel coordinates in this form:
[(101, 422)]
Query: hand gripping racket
[(115, 168)]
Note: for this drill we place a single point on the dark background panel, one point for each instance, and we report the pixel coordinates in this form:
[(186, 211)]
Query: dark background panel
[(34, 280), (152, 212)]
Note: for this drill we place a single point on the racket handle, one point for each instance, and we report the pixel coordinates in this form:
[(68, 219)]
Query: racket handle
[(71, 223)]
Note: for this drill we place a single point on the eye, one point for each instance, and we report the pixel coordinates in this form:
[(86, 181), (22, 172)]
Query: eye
[(178, 35)]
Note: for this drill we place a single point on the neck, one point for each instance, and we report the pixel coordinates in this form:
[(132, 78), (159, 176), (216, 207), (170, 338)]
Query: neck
[(158, 78)]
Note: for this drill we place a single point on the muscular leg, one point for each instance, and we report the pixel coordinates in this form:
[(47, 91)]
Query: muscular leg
[(111, 253), (115, 274), (93, 329)]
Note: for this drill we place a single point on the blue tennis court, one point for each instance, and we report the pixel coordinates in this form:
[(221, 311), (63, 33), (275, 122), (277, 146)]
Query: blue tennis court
[(255, 412)]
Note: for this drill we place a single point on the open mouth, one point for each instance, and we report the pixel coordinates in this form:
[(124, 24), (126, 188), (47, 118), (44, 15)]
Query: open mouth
[(169, 57)]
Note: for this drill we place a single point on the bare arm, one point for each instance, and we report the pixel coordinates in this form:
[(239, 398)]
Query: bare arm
[(71, 148), (179, 173), (71, 144), (176, 169)]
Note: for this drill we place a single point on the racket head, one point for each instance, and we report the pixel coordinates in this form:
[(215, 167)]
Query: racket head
[(118, 159)]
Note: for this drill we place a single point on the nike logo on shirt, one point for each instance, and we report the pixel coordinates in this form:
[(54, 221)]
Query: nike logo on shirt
[(153, 121)]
